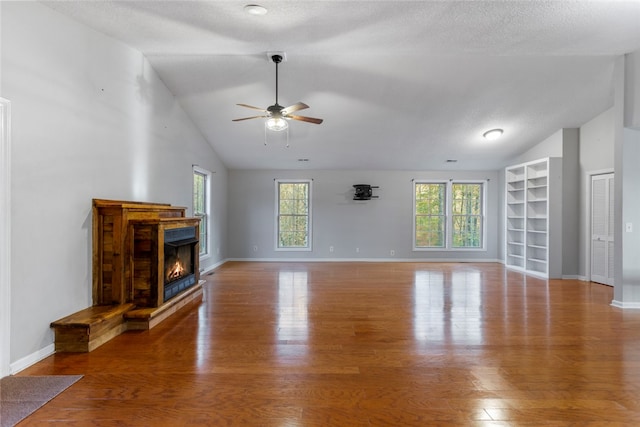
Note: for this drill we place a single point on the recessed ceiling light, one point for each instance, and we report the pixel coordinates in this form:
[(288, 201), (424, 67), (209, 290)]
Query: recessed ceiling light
[(254, 9), (493, 134)]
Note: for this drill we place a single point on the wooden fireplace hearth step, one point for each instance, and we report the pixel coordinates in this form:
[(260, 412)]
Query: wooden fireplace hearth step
[(87, 329), (147, 318)]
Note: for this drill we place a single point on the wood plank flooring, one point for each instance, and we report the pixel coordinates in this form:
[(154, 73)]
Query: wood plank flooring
[(366, 344)]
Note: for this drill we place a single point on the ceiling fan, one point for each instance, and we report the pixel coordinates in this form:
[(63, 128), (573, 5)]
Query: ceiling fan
[(276, 114)]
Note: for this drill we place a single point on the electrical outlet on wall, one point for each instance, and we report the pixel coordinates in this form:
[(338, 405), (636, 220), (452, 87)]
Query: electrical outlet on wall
[(393, 252)]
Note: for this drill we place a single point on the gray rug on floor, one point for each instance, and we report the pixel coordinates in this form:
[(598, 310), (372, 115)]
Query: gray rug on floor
[(22, 396)]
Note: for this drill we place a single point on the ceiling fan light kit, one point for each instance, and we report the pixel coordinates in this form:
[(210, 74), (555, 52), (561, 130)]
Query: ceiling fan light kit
[(493, 134), (276, 115), (276, 124), (278, 133)]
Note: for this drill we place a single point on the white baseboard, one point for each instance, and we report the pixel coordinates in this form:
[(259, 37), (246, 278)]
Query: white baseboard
[(212, 267), (365, 260), (32, 359), (625, 305)]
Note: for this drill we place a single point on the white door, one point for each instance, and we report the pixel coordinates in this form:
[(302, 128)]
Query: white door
[(602, 228)]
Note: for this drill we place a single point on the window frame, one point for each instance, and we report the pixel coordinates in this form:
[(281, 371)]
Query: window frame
[(309, 245), (415, 216), (205, 217), (449, 217)]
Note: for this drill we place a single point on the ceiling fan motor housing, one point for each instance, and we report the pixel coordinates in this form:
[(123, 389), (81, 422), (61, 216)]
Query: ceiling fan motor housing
[(276, 113), (277, 57)]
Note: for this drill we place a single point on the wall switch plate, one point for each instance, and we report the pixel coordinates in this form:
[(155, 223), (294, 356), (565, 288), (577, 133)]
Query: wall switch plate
[(628, 227)]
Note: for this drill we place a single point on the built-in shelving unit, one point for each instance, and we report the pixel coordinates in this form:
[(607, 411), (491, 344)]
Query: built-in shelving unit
[(515, 220), (533, 212)]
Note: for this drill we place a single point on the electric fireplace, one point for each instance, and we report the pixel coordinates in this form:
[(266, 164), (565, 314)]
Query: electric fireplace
[(165, 259), (179, 254)]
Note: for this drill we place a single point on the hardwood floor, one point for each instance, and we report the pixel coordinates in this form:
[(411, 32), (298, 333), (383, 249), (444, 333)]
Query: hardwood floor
[(366, 344)]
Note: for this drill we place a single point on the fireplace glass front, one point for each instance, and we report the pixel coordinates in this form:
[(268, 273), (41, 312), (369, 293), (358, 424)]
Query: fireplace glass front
[(179, 260)]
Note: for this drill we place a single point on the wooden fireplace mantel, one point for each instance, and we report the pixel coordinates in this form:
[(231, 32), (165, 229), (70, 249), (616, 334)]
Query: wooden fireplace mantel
[(128, 274), (112, 245)]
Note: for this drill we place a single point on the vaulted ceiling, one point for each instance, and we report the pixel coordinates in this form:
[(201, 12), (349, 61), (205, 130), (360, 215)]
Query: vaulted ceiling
[(401, 85)]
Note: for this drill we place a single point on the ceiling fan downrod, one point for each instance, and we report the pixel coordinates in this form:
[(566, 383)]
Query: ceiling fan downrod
[(277, 59)]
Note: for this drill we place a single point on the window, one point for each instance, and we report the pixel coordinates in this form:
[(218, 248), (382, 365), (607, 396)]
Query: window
[(430, 215), (201, 178), (293, 216), (448, 215), (466, 215)]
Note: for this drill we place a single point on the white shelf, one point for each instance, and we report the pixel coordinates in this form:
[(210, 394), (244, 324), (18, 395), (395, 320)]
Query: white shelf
[(532, 190), (537, 246)]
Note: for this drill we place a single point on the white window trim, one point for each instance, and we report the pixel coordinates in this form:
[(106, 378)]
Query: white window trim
[(309, 246), (208, 174), (449, 216), (446, 214)]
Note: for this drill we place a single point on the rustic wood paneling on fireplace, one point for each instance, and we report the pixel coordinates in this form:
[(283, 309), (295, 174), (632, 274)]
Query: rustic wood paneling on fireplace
[(129, 273)]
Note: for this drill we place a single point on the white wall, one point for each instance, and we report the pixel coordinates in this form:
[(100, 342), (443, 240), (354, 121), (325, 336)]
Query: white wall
[(375, 227), (630, 279), (627, 196), (91, 119), (5, 236), (549, 147), (632, 90), (596, 142)]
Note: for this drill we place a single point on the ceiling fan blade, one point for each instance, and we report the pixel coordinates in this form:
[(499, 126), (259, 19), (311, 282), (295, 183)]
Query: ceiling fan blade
[(305, 119), (248, 118), (295, 107), (252, 107)]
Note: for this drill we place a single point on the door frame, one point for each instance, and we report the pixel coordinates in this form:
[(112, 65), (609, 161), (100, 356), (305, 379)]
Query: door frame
[(5, 241), (589, 180)]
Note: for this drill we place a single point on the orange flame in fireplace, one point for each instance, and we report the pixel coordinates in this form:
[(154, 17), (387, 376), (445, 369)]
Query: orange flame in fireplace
[(176, 271)]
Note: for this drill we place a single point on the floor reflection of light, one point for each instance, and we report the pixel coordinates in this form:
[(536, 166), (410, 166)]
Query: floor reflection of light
[(428, 306), (447, 310), (466, 307), (293, 320), (203, 340)]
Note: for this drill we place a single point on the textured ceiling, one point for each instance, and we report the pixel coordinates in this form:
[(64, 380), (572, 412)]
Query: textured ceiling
[(401, 85)]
